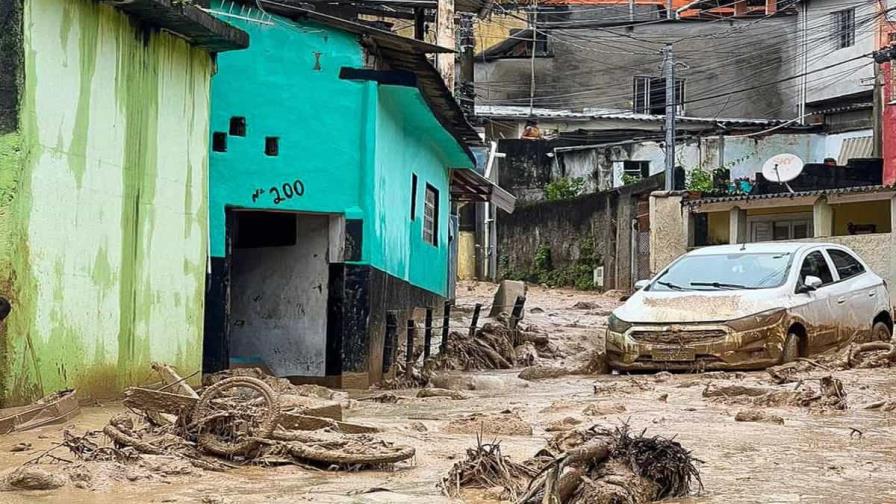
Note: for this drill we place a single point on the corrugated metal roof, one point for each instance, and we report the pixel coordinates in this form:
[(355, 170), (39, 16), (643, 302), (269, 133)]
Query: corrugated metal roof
[(522, 112), (858, 147), (797, 194)]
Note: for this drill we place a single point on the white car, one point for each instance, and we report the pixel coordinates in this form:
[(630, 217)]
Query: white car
[(749, 306)]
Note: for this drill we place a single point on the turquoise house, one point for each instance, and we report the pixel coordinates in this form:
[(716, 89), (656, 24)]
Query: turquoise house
[(336, 153)]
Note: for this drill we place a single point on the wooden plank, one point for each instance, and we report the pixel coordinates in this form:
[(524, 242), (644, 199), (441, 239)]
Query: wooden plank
[(155, 400)]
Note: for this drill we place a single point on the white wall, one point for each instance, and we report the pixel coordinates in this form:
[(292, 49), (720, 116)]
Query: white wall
[(820, 50), (279, 302)]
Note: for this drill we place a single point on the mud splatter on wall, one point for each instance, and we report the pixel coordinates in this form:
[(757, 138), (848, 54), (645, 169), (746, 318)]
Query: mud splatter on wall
[(103, 218)]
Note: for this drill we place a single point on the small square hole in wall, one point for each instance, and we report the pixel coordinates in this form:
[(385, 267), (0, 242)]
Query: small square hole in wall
[(238, 126), (272, 146), (219, 141)]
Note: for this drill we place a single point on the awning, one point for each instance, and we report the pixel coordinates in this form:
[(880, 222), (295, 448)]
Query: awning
[(858, 147), (470, 186)]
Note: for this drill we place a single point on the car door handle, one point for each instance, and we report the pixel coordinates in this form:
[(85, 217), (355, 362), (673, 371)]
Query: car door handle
[(841, 300), (872, 293)]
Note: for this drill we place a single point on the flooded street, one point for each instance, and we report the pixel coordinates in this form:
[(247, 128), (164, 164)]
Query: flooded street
[(814, 456)]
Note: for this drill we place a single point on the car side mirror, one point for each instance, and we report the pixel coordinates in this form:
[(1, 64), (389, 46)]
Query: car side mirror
[(810, 283), (640, 284)]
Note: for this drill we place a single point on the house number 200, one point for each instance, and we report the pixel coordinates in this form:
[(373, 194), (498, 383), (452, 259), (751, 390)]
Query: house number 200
[(287, 191)]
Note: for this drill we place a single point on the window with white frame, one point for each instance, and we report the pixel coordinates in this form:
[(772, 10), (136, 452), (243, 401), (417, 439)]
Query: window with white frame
[(431, 216), (792, 226)]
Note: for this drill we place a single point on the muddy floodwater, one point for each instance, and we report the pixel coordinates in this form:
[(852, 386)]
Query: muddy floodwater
[(814, 456)]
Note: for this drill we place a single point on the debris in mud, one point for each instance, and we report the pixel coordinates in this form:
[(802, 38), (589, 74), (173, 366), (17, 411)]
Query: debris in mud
[(662, 376), (20, 447), (502, 424), (584, 305), (485, 467), (440, 392), (829, 395), (543, 372), (874, 354), (621, 386), (31, 477), (236, 420), (596, 466), (603, 409), (384, 398), (562, 425), (453, 381), (757, 416), (52, 409), (494, 346)]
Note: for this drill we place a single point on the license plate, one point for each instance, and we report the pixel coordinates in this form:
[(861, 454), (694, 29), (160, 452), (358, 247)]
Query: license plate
[(673, 354)]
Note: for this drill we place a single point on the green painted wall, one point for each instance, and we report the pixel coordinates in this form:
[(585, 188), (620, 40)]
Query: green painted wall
[(103, 216), (352, 144)]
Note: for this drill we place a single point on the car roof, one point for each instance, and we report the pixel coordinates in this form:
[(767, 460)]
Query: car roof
[(778, 247)]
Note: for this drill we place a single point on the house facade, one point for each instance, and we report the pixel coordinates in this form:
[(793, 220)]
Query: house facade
[(103, 168), (336, 153)]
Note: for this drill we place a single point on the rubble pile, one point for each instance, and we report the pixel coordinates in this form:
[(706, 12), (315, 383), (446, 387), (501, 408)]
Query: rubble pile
[(829, 394), (235, 420), (495, 346), (594, 466)]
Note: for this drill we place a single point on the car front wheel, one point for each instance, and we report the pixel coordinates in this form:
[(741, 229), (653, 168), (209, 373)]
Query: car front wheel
[(791, 348), (881, 332)]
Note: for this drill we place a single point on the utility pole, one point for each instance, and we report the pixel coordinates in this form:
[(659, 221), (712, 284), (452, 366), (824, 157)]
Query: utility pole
[(532, 59), (669, 74)]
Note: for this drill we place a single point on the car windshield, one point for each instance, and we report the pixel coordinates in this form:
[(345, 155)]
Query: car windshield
[(725, 272)]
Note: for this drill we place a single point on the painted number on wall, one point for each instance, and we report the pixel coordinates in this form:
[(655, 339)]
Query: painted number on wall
[(281, 193)]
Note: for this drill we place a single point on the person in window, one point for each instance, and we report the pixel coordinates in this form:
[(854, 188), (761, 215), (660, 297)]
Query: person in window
[(531, 131)]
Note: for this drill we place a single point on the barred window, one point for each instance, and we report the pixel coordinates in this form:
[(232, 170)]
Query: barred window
[(431, 216), (844, 28)]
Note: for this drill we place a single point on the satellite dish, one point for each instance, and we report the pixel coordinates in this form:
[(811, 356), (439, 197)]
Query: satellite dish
[(782, 168)]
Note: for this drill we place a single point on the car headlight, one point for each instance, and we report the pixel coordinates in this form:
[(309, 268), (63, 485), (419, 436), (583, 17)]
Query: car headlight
[(758, 320), (617, 325)]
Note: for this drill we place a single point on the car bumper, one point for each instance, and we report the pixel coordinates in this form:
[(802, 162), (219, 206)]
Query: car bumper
[(645, 348)]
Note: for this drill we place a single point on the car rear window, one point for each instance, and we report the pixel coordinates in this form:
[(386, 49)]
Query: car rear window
[(725, 271), (847, 265)]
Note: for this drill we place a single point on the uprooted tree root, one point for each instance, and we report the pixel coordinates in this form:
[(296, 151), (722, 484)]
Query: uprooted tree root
[(873, 354), (600, 467), (828, 395), (486, 467), (494, 346)]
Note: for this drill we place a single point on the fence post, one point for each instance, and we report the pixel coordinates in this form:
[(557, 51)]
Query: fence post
[(515, 317), (389, 344), (446, 319), (427, 335), (475, 321), (409, 349)]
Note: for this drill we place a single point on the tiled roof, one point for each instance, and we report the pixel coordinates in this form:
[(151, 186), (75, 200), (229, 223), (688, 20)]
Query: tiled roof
[(788, 195)]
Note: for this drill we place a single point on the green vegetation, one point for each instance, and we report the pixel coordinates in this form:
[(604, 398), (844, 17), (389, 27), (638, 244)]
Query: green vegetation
[(699, 179), (564, 188), (578, 274), (628, 178)]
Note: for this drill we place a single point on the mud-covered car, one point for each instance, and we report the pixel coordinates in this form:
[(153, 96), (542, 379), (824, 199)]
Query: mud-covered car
[(748, 307)]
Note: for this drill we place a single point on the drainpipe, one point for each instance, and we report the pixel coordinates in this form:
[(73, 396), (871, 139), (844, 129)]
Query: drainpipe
[(877, 113), (634, 253)]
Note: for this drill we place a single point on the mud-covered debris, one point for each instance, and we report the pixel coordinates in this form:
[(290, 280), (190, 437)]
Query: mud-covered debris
[(440, 392), (417, 426), (603, 409), (591, 466), (584, 305), (55, 408), (20, 447), (486, 467), (562, 425), (384, 398), (873, 354), (502, 424), (32, 477), (828, 394), (758, 416), (662, 376), (882, 405), (663, 398), (543, 372)]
